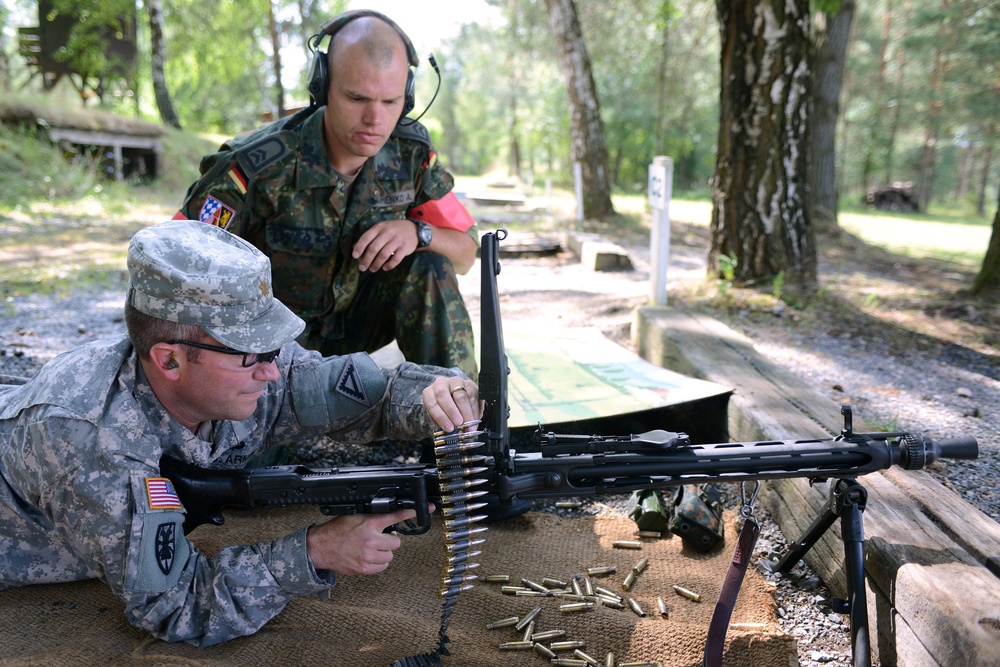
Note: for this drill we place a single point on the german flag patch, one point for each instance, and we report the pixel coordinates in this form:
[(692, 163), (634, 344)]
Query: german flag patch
[(238, 179)]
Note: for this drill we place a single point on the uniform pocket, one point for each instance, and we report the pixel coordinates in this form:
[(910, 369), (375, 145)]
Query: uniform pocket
[(302, 265)]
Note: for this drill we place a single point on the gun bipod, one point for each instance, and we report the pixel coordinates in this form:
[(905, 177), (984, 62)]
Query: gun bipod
[(847, 500)]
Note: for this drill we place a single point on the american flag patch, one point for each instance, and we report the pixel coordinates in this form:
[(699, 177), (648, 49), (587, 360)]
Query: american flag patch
[(161, 494), (214, 212)]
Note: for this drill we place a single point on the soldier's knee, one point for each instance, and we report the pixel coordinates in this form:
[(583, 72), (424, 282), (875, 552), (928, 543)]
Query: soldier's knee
[(432, 264)]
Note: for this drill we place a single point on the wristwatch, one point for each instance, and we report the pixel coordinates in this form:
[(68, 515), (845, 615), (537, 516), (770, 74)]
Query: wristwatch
[(424, 233)]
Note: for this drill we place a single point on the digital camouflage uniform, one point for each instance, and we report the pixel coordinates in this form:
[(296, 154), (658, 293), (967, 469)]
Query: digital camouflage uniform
[(81, 496), (275, 187)]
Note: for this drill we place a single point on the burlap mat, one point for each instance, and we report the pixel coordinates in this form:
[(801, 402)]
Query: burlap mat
[(373, 621)]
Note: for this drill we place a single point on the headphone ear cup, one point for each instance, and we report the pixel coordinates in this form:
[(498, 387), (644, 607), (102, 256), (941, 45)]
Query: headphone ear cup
[(409, 97), (319, 78)]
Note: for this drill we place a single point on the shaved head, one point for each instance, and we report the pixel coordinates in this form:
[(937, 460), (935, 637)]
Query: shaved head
[(370, 37)]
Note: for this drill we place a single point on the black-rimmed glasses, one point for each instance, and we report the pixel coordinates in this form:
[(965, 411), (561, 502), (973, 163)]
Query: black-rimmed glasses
[(250, 359)]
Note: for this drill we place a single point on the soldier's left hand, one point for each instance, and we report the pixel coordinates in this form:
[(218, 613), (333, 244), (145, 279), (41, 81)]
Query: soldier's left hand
[(384, 246), (452, 401)]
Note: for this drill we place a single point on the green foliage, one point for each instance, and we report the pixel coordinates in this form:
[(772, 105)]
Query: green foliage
[(778, 284), (31, 168), (727, 269)]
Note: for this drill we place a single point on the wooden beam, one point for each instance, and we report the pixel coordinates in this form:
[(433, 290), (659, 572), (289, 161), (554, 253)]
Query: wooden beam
[(931, 558)]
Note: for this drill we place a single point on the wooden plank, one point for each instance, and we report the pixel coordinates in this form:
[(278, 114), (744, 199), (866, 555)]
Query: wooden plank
[(930, 557), (966, 525)]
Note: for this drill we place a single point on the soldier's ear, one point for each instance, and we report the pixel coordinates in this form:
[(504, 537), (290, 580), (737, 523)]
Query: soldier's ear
[(165, 358)]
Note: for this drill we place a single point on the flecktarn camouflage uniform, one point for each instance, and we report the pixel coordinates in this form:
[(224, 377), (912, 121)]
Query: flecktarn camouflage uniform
[(81, 495), (275, 187)]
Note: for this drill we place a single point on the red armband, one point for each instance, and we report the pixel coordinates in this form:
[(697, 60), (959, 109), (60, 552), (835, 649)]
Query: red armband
[(446, 212)]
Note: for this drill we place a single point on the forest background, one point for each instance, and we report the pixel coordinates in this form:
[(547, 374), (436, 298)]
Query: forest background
[(812, 103)]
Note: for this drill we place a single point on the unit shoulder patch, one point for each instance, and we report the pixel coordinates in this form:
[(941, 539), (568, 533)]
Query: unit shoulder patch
[(351, 386)]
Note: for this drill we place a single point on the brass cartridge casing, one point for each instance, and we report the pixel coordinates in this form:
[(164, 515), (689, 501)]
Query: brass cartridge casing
[(544, 651), (661, 606), (516, 646), (626, 544), (685, 593), (535, 587), (634, 606), (527, 618), (503, 623)]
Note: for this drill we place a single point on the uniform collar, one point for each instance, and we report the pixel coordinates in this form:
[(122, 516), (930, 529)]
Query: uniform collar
[(314, 170)]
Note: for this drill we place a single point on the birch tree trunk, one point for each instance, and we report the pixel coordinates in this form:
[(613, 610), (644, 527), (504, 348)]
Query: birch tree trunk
[(154, 8), (759, 215), (588, 146)]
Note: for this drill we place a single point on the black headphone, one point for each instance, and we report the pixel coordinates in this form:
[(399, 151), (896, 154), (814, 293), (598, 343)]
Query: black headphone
[(319, 73)]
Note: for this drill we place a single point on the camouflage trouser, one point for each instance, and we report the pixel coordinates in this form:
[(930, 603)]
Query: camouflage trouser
[(419, 305)]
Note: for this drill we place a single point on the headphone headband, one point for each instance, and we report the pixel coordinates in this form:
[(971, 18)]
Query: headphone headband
[(319, 74)]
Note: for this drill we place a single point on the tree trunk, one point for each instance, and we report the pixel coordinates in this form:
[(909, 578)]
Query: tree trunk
[(987, 160), (759, 215), (588, 145), (154, 8), (514, 81), (272, 30), (831, 52), (4, 62), (935, 104), (988, 281)]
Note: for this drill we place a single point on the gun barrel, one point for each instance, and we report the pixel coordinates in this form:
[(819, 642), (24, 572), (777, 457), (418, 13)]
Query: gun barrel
[(966, 448)]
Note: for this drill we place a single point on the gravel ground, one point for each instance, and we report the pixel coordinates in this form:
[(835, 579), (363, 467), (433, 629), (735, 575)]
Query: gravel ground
[(944, 391)]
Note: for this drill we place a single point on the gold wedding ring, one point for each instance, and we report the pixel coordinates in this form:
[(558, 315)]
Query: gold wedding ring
[(458, 388)]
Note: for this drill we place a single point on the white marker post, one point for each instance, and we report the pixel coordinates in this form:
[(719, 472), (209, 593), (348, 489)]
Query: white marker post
[(661, 178), (578, 184)]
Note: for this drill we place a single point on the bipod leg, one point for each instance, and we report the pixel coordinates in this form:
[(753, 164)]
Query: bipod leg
[(852, 498), (798, 548), (847, 500)]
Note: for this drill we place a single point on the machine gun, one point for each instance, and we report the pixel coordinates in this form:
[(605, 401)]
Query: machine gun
[(476, 466)]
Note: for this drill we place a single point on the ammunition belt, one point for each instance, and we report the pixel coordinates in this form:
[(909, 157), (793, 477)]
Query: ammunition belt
[(456, 469)]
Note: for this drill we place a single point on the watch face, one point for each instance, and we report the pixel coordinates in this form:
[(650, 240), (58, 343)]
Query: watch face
[(423, 234)]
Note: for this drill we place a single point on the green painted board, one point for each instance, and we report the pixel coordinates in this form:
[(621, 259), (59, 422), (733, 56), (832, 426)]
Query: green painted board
[(576, 374)]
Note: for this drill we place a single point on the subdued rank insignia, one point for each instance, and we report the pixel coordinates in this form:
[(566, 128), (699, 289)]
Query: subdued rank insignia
[(350, 385), (164, 545), (260, 154)]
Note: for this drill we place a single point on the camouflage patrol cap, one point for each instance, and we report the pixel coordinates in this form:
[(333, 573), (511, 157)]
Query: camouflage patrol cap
[(195, 273)]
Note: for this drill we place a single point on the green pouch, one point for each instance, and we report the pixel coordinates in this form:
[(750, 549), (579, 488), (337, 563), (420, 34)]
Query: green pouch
[(697, 517)]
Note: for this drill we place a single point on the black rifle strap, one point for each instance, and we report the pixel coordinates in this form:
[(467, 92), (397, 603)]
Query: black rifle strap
[(716, 641)]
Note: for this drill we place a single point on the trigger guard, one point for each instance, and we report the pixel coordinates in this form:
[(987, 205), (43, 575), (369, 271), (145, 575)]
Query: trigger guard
[(408, 527)]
